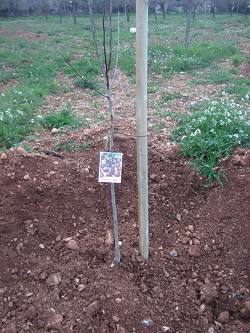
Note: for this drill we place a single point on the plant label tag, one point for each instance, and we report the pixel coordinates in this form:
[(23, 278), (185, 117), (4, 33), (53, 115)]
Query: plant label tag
[(110, 167)]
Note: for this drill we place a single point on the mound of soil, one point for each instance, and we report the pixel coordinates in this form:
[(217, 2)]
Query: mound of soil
[(57, 271)]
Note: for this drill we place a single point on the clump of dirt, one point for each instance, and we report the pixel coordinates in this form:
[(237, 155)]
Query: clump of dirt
[(57, 270)]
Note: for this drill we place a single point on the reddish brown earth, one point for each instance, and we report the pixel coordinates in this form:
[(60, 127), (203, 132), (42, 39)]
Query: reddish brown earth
[(57, 271)]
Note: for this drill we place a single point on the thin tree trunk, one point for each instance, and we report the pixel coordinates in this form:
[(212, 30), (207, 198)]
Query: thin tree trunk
[(74, 12), (105, 68), (188, 26)]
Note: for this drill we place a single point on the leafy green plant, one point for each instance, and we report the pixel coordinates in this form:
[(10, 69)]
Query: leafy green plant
[(212, 133), (56, 120)]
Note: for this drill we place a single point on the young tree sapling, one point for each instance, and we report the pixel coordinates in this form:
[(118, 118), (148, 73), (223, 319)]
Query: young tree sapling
[(109, 77)]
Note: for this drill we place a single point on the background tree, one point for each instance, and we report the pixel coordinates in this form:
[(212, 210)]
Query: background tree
[(45, 6), (242, 6), (8, 7), (164, 6), (61, 8), (153, 7), (190, 7)]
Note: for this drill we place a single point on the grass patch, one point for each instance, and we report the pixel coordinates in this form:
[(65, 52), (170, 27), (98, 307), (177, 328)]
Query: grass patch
[(237, 59), (221, 76), (30, 66), (170, 97), (240, 88), (57, 120), (178, 58), (211, 133)]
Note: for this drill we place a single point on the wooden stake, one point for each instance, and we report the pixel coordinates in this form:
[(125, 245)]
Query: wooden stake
[(141, 120)]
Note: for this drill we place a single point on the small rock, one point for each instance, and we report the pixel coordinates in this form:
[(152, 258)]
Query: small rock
[(109, 239), (77, 282), (191, 228), (206, 247), (54, 279), (92, 309), (29, 294), (224, 317), (185, 240), (31, 313), (40, 323), (202, 308), (12, 328), (196, 242), (118, 300), (116, 318), (165, 329), (173, 253), (120, 329), (208, 293), (236, 159), (245, 313), (22, 151), (247, 304), (178, 217), (3, 156), (26, 177), (2, 291), (72, 245), (54, 131), (81, 287), (55, 322), (147, 322), (194, 251)]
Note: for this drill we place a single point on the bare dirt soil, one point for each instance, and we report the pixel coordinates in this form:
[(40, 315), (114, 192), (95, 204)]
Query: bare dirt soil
[(57, 271), (56, 266)]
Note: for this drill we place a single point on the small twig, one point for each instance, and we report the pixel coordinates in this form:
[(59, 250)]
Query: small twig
[(52, 153)]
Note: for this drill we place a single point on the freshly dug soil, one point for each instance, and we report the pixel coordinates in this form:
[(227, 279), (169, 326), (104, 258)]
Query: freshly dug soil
[(56, 266)]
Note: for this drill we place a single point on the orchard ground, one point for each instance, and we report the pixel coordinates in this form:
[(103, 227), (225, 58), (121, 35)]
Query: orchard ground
[(57, 270)]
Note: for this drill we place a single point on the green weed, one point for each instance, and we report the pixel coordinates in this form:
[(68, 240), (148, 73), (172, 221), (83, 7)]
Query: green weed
[(57, 120), (178, 58), (170, 97), (240, 88), (212, 133), (237, 59)]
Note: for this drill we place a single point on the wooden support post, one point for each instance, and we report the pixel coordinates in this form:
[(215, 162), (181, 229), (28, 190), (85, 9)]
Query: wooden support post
[(141, 119)]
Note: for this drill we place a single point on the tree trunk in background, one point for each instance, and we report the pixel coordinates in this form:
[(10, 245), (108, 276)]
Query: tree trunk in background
[(74, 11), (187, 31)]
